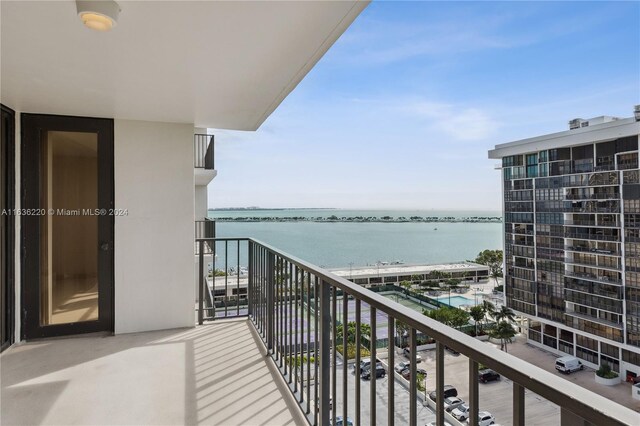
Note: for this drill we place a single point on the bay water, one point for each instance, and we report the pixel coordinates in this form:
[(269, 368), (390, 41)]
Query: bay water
[(339, 244)]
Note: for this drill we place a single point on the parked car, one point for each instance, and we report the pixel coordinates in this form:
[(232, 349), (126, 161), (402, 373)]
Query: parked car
[(487, 375), (461, 413), (485, 418), (407, 353), (452, 403), (446, 423), (568, 364), (380, 372), (366, 363), (340, 421), (406, 373), (402, 366), (448, 392)]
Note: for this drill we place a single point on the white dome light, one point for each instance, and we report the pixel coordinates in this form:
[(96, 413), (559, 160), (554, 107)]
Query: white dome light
[(99, 15)]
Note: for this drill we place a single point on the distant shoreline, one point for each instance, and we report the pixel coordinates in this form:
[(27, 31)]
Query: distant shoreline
[(363, 219)]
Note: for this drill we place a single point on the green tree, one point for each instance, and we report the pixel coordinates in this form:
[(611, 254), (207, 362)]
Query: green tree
[(406, 285), (505, 332), (401, 331), (489, 309), (477, 313), (505, 314), (492, 259), (416, 278), (453, 317), (365, 330)]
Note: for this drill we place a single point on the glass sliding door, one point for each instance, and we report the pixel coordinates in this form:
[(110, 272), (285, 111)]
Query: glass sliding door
[(69, 278), (68, 233)]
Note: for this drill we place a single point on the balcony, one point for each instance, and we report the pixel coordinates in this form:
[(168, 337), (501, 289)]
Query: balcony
[(203, 158), (211, 374), (275, 362), (205, 228), (297, 308)]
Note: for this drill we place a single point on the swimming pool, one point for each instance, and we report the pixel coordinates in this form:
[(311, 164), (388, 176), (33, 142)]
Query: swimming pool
[(456, 301)]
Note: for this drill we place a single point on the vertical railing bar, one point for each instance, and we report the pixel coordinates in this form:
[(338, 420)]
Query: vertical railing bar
[(213, 296), (201, 282), (473, 393), (238, 281), (262, 293), (518, 405), (296, 350), (282, 282), (308, 283), (439, 383), (279, 281), (226, 276), (290, 349), (372, 366), (265, 294), (334, 352), (270, 311), (357, 361), (413, 379), (345, 353), (316, 294), (391, 361), (325, 352), (250, 280)]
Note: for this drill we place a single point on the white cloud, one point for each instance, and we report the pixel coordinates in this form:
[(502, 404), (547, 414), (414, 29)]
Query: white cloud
[(459, 123)]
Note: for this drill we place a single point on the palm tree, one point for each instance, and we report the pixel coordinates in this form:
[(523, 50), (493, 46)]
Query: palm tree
[(505, 332), (495, 274), (505, 314), (477, 313), (402, 330), (489, 310)]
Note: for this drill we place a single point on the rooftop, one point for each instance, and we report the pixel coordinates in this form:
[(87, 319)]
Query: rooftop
[(386, 270), (601, 131)]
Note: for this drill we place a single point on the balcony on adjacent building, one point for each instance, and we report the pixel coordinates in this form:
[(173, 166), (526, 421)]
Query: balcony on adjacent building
[(203, 159)]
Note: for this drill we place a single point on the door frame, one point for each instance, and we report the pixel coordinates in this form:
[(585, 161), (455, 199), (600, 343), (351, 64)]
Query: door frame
[(10, 232), (32, 126)]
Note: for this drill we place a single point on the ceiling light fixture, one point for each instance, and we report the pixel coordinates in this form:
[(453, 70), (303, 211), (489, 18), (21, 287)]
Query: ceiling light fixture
[(99, 15)]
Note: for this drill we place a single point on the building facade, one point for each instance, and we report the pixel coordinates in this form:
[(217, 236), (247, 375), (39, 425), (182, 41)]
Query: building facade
[(572, 239)]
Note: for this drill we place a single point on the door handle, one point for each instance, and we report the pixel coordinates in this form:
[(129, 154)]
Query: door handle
[(104, 246)]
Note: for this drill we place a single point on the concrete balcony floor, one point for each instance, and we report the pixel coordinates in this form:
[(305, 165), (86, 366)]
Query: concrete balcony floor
[(214, 374)]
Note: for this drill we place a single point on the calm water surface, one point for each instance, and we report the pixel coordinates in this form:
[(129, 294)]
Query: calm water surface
[(338, 244)]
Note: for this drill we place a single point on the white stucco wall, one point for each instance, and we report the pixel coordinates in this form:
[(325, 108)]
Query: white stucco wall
[(154, 271), (201, 201)]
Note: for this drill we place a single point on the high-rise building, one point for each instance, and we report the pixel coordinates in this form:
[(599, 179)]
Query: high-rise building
[(572, 239)]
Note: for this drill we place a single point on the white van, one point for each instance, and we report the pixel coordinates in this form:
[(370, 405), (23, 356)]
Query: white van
[(568, 364)]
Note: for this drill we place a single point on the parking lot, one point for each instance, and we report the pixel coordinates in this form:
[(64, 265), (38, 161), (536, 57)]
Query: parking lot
[(401, 406)]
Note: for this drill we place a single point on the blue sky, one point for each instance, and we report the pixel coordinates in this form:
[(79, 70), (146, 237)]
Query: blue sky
[(401, 111)]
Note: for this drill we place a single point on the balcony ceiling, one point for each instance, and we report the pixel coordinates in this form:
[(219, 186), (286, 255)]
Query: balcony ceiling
[(214, 64)]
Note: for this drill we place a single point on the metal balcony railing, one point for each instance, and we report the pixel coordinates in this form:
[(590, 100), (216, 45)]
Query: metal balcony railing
[(203, 152), (293, 306)]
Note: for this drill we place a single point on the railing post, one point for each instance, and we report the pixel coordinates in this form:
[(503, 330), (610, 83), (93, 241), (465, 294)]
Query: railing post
[(270, 308), (250, 270), (325, 341), (473, 393), (439, 383), (518, 405), (201, 281)]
